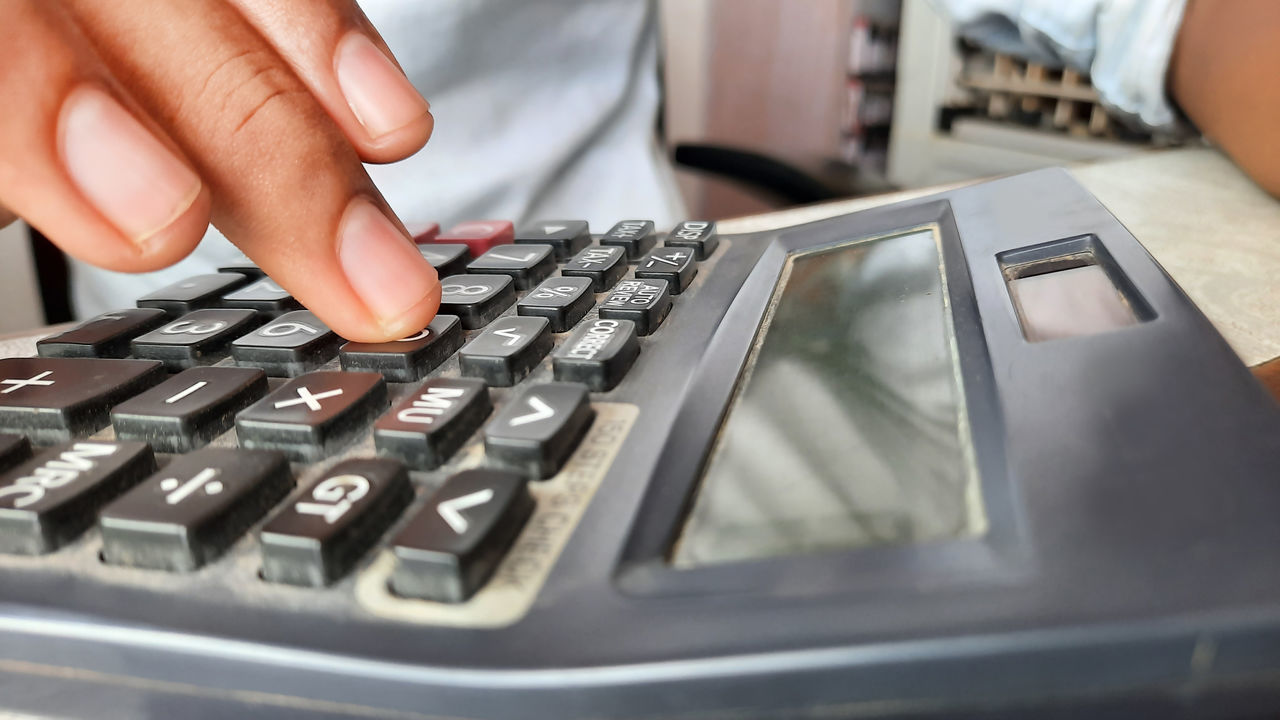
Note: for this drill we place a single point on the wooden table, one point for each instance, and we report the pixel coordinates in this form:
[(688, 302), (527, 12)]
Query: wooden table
[(1214, 231)]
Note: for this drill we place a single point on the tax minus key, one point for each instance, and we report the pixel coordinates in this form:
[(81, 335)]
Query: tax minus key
[(478, 235)]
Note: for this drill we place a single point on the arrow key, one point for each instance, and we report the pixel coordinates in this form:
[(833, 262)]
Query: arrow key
[(539, 431), (456, 540), (506, 351)]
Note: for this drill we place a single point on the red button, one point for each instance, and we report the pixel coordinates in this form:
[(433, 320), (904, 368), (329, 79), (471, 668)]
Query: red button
[(479, 235), (424, 232)]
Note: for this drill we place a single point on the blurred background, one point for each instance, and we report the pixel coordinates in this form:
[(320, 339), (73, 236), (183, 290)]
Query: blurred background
[(765, 107)]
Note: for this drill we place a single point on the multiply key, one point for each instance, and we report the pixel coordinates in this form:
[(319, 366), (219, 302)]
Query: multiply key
[(673, 264), (189, 409), (433, 422), (644, 302), (314, 415), (538, 431), (106, 335), (199, 338), (189, 513), (288, 346), (507, 350), (698, 235), (597, 354), (408, 359), (454, 543), (604, 266), (50, 500), (194, 293), (634, 236), (320, 535), (55, 399), (561, 300)]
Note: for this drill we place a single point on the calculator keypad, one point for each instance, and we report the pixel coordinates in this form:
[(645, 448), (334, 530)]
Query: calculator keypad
[(555, 317)]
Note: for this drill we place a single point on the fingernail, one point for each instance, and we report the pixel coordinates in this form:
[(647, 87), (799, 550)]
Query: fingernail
[(381, 263), (381, 97), (122, 169)]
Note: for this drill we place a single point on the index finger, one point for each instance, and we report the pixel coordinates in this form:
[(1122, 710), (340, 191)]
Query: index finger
[(288, 188)]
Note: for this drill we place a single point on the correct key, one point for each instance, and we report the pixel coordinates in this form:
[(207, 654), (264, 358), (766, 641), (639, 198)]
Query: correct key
[(51, 500), (433, 422), (189, 513), (539, 431), (321, 534), (189, 409), (314, 415), (453, 544), (597, 354), (51, 400), (507, 350)]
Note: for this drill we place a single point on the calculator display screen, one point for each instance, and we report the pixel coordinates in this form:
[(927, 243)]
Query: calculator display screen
[(848, 428)]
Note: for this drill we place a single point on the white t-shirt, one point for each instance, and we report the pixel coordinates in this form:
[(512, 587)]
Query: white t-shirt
[(543, 109)]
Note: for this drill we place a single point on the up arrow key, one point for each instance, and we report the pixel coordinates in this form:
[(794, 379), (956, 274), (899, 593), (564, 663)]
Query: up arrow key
[(539, 431), (446, 556), (567, 237)]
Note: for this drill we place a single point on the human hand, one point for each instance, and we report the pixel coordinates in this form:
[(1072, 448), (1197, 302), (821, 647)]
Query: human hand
[(127, 125)]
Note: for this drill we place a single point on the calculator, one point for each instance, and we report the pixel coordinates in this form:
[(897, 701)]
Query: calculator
[(970, 455)]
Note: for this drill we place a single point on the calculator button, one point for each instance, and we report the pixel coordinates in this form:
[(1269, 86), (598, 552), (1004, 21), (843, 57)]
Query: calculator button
[(698, 235), (292, 344), (527, 265), (105, 336), (561, 300), (433, 422), (13, 450), (199, 338), (52, 399), (479, 235), (538, 431), (634, 236), (644, 302), (194, 293), (476, 299), (567, 237), (673, 264), (604, 265), (408, 359), (263, 295), (311, 416), (448, 259), (597, 354), (189, 409), (243, 265), (51, 500), (506, 351), (190, 512), (424, 232), (455, 541), (323, 532)]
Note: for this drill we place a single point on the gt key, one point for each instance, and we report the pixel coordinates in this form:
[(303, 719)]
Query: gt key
[(320, 535)]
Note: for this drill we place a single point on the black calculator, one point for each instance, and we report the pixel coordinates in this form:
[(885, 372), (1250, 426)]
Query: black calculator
[(971, 455)]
